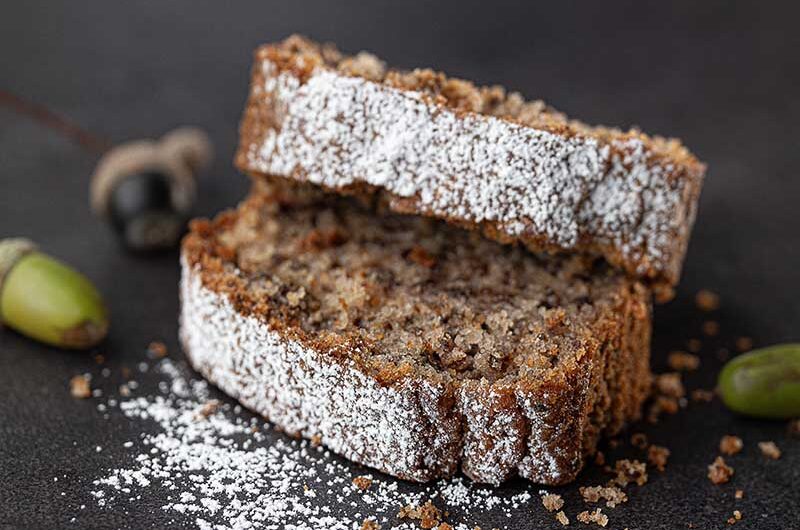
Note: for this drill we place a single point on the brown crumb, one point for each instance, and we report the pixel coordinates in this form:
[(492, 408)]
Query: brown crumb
[(370, 524), (662, 404), (706, 300), (657, 456), (629, 471), (739, 494), (562, 518), (552, 502), (793, 428), (700, 394), (711, 328), (670, 384), (682, 361), (730, 445), (599, 458), (316, 440), (694, 345), (362, 482), (444, 526), (611, 494), (428, 515), (157, 349), (596, 516), (208, 408), (99, 358), (719, 472), (737, 516), (79, 387), (744, 344), (770, 450), (126, 372), (723, 354), (639, 440)]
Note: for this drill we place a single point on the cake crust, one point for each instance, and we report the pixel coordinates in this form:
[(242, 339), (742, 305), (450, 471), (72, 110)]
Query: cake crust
[(413, 422), (475, 156)]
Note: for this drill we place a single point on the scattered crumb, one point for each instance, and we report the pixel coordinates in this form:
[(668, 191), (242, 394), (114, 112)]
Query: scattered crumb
[(552, 502), (599, 458), (770, 450), (723, 354), (630, 471), (706, 300), (730, 445), (208, 408), (793, 428), (124, 390), (669, 384), (99, 358), (662, 404), (157, 349), (316, 440), (79, 387), (657, 456), (694, 345), (739, 494), (362, 482), (737, 516), (744, 344), (562, 518), (596, 516), (444, 526), (370, 524), (639, 440), (711, 328), (719, 472), (682, 361), (428, 515), (611, 494), (700, 394), (126, 372)]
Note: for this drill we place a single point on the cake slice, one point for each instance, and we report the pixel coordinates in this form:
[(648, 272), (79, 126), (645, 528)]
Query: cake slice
[(475, 156), (410, 345)]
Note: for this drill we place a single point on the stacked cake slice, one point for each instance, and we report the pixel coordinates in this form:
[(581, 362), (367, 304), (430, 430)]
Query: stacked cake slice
[(430, 276)]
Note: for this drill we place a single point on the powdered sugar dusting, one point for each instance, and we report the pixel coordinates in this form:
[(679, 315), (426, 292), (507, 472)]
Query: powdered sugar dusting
[(223, 470), (336, 130)]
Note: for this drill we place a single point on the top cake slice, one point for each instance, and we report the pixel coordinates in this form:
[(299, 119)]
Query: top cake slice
[(476, 156)]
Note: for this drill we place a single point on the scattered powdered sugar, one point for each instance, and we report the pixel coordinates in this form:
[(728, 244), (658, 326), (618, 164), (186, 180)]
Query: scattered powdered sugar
[(211, 465)]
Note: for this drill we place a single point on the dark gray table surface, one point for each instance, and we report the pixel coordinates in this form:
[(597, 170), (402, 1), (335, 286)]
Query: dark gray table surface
[(723, 76)]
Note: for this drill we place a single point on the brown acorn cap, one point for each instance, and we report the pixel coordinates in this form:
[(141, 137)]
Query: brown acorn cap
[(178, 155)]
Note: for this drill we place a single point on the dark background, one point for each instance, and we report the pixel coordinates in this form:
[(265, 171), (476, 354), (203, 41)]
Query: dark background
[(723, 76)]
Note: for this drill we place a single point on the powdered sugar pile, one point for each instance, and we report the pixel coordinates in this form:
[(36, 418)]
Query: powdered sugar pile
[(212, 465)]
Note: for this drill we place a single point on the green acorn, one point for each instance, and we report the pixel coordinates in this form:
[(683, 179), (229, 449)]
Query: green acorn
[(47, 300)]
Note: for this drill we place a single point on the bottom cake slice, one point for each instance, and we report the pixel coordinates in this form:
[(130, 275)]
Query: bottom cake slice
[(412, 346)]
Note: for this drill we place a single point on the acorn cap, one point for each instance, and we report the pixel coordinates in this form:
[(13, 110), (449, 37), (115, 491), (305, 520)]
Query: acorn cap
[(190, 144), (178, 155), (11, 250)]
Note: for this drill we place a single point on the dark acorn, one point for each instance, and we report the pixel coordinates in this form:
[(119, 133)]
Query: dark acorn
[(140, 210), (145, 189)]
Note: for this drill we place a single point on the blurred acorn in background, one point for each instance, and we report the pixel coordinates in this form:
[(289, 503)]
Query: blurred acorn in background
[(146, 188), (47, 300)]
